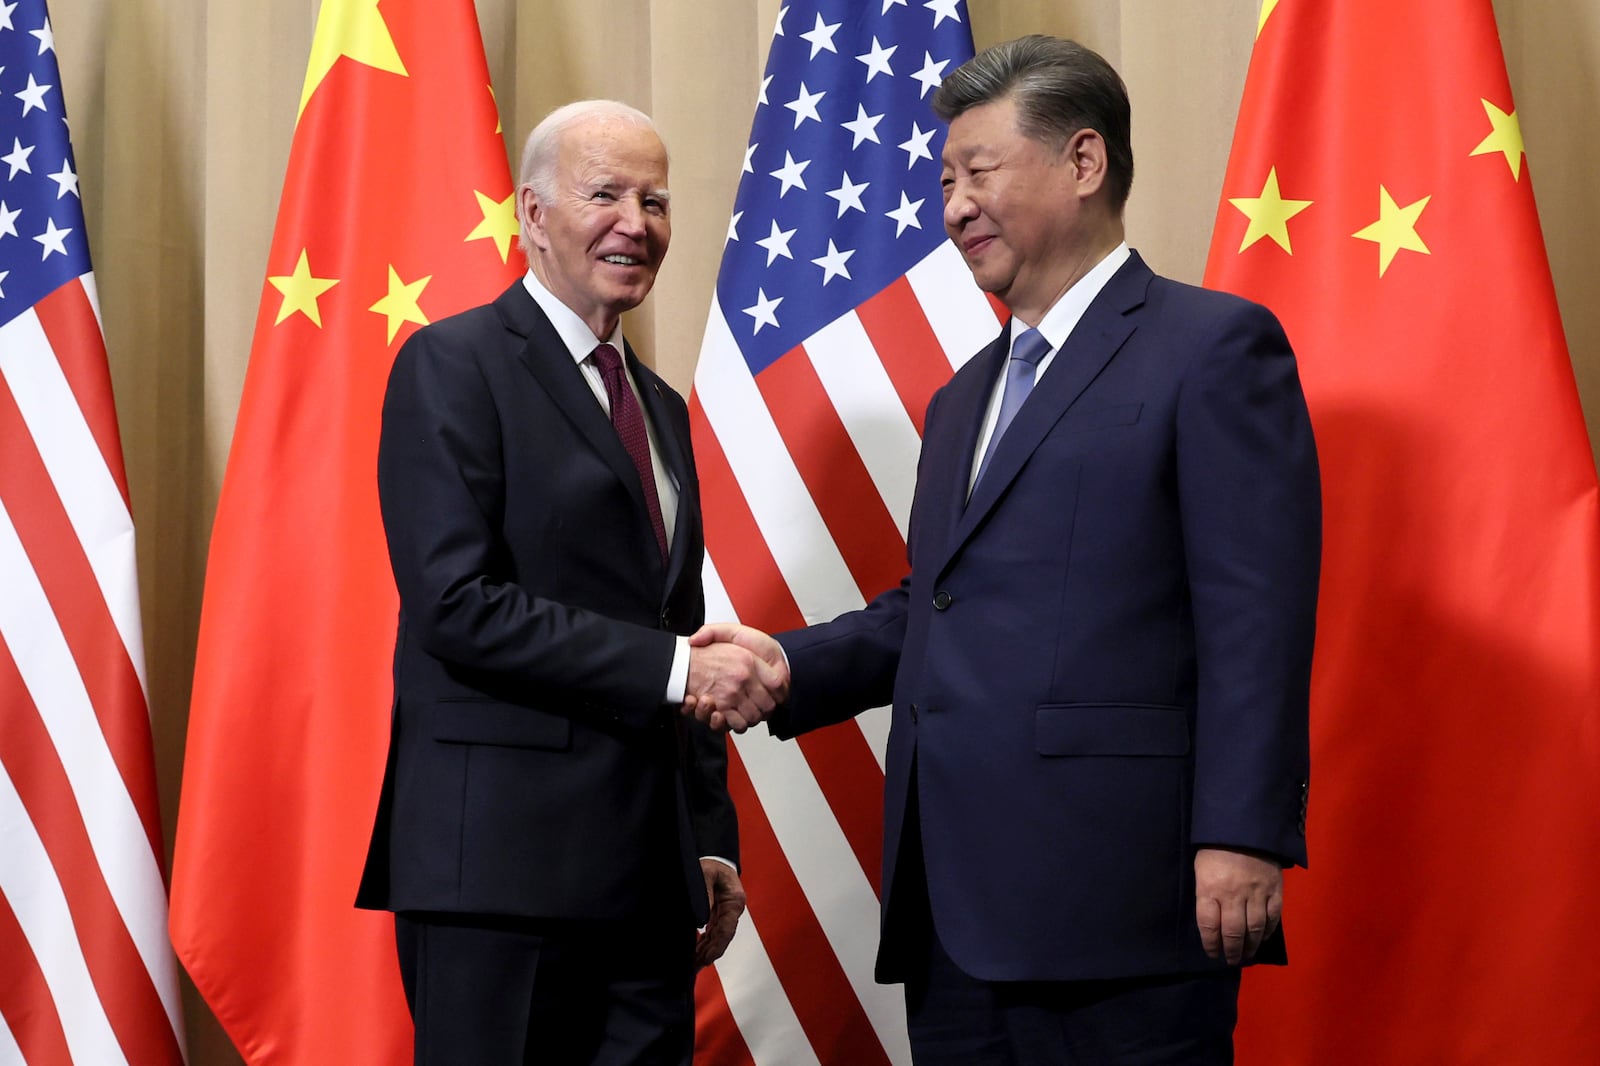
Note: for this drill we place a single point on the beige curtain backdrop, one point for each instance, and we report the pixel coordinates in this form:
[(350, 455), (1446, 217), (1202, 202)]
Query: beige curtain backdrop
[(182, 111)]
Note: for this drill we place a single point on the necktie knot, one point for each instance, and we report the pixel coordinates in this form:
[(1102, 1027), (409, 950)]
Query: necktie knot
[(607, 360), (1030, 347)]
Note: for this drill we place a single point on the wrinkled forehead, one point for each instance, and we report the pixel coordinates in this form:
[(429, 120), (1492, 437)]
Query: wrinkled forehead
[(617, 147)]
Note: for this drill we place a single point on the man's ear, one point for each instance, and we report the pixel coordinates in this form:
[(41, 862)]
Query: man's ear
[(1086, 155), (530, 212)]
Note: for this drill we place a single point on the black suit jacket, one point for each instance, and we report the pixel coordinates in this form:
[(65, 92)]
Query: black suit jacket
[(533, 770)]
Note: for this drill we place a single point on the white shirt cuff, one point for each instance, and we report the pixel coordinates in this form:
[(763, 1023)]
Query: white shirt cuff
[(678, 679)]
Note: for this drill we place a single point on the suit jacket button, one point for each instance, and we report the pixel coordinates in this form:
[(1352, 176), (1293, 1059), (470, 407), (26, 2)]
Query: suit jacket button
[(913, 712), (666, 618), (941, 600)]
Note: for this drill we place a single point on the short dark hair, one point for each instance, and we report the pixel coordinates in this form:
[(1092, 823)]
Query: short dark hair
[(1060, 87)]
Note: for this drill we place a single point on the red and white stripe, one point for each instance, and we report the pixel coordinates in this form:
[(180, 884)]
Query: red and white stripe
[(807, 472), (88, 975)]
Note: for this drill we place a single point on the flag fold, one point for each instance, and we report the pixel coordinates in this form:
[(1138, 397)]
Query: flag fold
[(839, 308), (396, 210), (1379, 201), (87, 974)]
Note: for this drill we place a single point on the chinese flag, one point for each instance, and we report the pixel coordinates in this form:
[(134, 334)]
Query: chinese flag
[(397, 210), (1379, 201)]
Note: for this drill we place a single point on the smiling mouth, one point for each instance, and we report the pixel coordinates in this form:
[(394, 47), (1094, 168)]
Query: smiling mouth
[(623, 260), (976, 243)]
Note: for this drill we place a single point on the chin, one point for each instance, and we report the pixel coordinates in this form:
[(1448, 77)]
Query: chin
[(624, 303), (990, 283)]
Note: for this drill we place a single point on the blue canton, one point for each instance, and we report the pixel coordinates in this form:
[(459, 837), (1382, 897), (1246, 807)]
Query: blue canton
[(840, 195), (42, 239)]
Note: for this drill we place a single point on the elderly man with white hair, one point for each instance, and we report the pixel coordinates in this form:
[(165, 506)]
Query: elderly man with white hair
[(551, 832)]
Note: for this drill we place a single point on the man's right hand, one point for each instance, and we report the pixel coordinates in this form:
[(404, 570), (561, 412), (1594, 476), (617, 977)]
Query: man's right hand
[(737, 675), (1238, 901)]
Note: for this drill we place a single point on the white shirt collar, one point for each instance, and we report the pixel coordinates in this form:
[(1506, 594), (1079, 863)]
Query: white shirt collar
[(573, 330), (1059, 322)]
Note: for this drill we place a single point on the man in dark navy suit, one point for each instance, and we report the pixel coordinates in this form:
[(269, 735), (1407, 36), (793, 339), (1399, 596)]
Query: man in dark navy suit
[(1100, 661), (551, 831)]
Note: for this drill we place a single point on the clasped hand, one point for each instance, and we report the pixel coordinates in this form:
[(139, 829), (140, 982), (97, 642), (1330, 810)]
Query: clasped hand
[(737, 675)]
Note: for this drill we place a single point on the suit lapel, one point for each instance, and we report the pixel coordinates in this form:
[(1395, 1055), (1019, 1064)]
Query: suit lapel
[(545, 355), (947, 453), (1105, 326)]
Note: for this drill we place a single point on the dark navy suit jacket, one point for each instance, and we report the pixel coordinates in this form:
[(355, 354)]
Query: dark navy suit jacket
[(533, 770), (1101, 661)]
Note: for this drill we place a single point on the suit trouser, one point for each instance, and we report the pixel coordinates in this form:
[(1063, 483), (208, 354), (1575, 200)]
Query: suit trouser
[(511, 992), (956, 1019)]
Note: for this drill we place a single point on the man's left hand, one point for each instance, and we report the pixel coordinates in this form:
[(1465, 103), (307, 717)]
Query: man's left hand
[(1238, 901), (726, 894)]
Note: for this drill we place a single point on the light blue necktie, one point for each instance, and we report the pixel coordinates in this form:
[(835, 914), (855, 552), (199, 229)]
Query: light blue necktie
[(1026, 351)]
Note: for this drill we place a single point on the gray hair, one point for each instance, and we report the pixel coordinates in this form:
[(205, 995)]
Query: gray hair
[(1060, 87), (544, 142)]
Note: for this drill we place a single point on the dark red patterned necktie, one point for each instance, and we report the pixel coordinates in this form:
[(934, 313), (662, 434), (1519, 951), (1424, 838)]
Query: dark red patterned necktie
[(628, 421)]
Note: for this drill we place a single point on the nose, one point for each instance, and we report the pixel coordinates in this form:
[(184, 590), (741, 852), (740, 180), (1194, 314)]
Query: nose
[(630, 216), (959, 208)]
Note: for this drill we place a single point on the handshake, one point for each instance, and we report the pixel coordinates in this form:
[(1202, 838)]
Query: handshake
[(737, 675)]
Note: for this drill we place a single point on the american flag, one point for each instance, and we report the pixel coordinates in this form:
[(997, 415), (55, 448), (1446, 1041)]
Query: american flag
[(86, 974), (840, 307)]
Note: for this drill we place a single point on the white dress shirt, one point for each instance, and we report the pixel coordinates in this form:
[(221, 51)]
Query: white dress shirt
[(1056, 326)]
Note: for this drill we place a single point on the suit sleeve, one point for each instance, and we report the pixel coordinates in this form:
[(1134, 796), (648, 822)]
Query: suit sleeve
[(712, 816), (711, 810), (843, 667), (442, 490), (1250, 506)]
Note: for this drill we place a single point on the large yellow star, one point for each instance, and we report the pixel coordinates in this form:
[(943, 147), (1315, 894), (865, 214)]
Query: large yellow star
[(1269, 214), (1266, 13), (499, 222), (300, 291), (401, 304), (1395, 229), (351, 28), (1506, 136)]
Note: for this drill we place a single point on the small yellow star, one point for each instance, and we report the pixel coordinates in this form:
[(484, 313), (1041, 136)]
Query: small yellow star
[(1269, 214), (351, 28), (300, 292), (1395, 229), (496, 100), (1506, 136), (1266, 13), (401, 304), (499, 222)]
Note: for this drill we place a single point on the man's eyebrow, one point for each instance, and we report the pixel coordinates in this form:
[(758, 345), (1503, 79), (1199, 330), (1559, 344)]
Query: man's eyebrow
[(610, 183)]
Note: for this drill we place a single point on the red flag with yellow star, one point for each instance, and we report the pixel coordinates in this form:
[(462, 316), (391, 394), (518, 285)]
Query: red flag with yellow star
[(397, 209), (1379, 201)]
